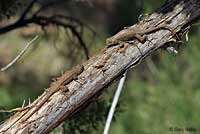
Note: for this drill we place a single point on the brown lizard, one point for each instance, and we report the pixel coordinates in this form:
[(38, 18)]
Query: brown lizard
[(134, 33), (66, 78)]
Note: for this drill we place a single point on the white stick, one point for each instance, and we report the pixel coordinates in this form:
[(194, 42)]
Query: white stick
[(19, 55), (114, 104)]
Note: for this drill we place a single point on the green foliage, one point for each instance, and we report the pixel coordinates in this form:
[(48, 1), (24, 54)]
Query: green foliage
[(125, 14), (151, 5), (90, 120), (93, 117), (5, 98)]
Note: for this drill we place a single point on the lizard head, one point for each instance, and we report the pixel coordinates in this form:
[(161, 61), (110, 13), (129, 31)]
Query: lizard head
[(109, 41)]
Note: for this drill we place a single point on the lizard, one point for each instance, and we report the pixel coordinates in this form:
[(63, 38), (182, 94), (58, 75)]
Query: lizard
[(134, 32), (66, 78)]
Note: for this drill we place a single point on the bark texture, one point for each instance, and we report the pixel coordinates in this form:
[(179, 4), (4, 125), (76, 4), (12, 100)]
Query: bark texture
[(100, 70)]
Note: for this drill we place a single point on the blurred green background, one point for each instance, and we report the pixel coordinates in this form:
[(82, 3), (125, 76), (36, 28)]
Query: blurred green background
[(163, 92)]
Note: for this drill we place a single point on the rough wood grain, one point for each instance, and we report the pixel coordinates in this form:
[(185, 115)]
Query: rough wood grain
[(102, 69)]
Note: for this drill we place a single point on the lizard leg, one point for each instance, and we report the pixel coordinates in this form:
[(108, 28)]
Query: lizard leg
[(75, 78), (141, 39)]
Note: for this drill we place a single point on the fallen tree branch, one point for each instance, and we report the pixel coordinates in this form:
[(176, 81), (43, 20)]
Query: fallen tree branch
[(103, 69)]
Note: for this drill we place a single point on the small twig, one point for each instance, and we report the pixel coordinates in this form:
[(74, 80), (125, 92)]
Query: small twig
[(58, 20), (26, 11), (48, 4), (81, 42), (44, 21), (114, 104), (23, 103), (15, 110), (19, 55)]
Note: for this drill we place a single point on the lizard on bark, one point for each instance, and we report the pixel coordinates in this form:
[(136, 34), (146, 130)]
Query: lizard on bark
[(134, 33), (65, 79)]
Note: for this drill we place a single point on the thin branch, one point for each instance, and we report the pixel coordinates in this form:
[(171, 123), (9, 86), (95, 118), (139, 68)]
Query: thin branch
[(41, 20), (26, 11), (44, 21), (81, 42), (114, 103), (47, 5), (73, 19), (19, 55), (59, 20), (15, 109)]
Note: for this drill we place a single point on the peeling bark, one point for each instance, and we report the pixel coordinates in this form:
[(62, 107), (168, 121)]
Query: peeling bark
[(102, 69)]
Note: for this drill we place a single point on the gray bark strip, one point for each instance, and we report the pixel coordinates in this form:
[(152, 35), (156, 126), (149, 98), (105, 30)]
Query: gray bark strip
[(102, 69)]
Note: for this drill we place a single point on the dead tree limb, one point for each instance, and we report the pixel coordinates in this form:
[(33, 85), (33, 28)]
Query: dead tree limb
[(104, 68)]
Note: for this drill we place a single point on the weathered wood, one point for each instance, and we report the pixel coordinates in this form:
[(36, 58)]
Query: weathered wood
[(102, 69)]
